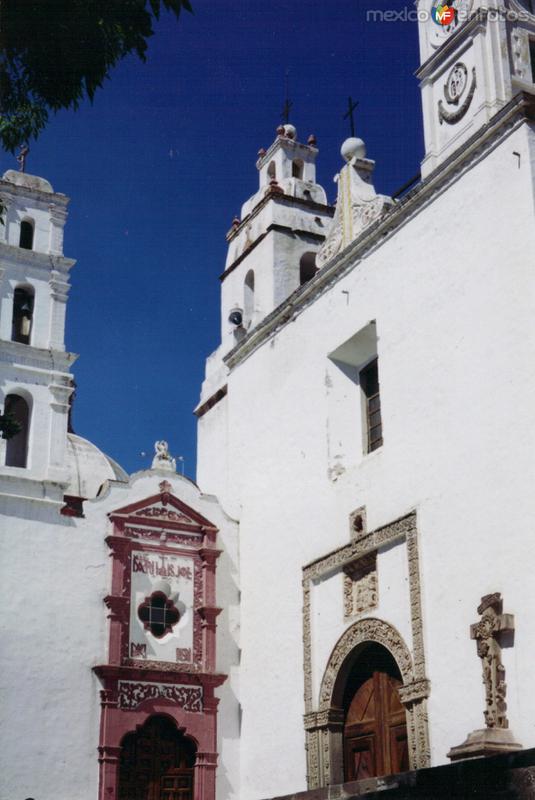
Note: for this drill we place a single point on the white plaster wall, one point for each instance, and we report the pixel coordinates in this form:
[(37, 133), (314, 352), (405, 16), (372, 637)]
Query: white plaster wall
[(453, 305), (53, 578)]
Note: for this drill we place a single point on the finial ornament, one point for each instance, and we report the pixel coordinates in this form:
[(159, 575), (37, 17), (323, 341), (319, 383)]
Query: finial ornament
[(358, 204), (21, 158), (163, 459)]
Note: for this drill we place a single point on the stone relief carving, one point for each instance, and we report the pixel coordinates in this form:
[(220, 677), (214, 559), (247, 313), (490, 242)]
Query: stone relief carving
[(456, 88), (360, 586), (132, 694), (520, 53)]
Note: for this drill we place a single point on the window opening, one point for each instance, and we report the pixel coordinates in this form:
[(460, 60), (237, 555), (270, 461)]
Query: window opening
[(369, 381), (158, 614)]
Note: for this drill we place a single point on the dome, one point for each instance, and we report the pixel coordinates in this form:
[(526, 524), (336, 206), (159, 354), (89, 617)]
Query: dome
[(27, 181), (89, 467)]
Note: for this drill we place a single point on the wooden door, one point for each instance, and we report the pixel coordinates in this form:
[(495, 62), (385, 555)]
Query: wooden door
[(375, 732), (156, 764)]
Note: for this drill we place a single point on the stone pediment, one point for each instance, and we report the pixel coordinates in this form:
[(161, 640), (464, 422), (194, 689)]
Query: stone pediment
[(163, 510)]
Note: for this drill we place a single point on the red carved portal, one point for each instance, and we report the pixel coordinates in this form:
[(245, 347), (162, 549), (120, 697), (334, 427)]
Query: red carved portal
[(158, 728)]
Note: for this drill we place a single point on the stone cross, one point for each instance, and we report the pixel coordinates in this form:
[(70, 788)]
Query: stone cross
[(349, 115), (486, 633)]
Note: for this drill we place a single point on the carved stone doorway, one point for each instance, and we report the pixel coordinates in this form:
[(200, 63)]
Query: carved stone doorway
[(375, 729), (156, 763)]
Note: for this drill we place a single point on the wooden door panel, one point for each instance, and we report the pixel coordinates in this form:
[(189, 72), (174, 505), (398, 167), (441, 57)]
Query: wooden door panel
[(156, 764), (375, 732), (360, 758), (399, 748)]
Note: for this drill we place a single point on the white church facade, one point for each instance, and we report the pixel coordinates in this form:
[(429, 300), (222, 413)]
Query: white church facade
[(346, 594)]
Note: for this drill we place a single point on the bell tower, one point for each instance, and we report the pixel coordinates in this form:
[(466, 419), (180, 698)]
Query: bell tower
[(35, 379), (272, 247), (475, 56)]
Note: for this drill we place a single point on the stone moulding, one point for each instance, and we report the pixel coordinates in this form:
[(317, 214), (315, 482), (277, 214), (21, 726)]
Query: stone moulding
[(324, 723)]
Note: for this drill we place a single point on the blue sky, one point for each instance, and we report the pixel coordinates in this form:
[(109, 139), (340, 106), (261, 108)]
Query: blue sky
[(160, 163)]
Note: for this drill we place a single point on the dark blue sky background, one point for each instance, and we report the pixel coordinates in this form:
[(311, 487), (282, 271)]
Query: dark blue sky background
[(160, 163)]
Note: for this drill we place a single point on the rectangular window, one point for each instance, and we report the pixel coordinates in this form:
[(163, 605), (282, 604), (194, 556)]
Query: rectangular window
[(532, 57), (369, 382)]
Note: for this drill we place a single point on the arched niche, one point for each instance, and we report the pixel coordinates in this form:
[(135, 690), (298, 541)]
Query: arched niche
[(18, 408), (307, 267), (26, 234), (325, 727)]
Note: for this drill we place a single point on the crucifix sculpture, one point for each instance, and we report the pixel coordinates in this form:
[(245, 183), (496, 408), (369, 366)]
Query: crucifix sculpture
[(493, 622), (351, 105), (496, 736)]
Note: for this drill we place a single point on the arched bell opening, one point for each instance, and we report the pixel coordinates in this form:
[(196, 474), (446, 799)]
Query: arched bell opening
[(17, 411), (157, 762)]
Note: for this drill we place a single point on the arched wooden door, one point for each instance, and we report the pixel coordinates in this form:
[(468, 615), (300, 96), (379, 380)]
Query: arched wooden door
[(375, 730), (156, 763)]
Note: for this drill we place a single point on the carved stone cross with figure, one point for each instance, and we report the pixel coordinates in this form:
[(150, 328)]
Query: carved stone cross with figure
[(486, 632)]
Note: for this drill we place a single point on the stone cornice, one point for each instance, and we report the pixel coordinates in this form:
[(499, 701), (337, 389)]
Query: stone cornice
[(511, 116), (283, 199), (284, 141), (36, 359), (35, 259), (8, 188), (275, 226)]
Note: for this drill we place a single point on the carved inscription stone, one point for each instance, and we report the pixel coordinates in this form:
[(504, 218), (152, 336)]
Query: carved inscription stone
[(360, 586)]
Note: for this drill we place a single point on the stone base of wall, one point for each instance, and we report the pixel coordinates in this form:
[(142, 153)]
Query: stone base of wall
[(503, 777)]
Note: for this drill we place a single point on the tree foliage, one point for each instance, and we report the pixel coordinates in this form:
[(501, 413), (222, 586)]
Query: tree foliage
[(9, 425), (54, 53)]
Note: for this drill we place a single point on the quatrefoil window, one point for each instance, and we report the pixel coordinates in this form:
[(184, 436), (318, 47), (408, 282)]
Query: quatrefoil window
[(158, 614)]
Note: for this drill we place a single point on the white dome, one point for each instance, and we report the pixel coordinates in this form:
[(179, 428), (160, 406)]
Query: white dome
[(89, 467), (353, 148)]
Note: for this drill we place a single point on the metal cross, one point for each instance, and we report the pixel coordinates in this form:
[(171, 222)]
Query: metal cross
[(21, 158), (349, 115), (285, 116)]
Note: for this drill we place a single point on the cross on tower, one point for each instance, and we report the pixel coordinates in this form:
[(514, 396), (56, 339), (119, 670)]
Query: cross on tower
[(486, 632), (349, 114), (21, 158), (285, 116)]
